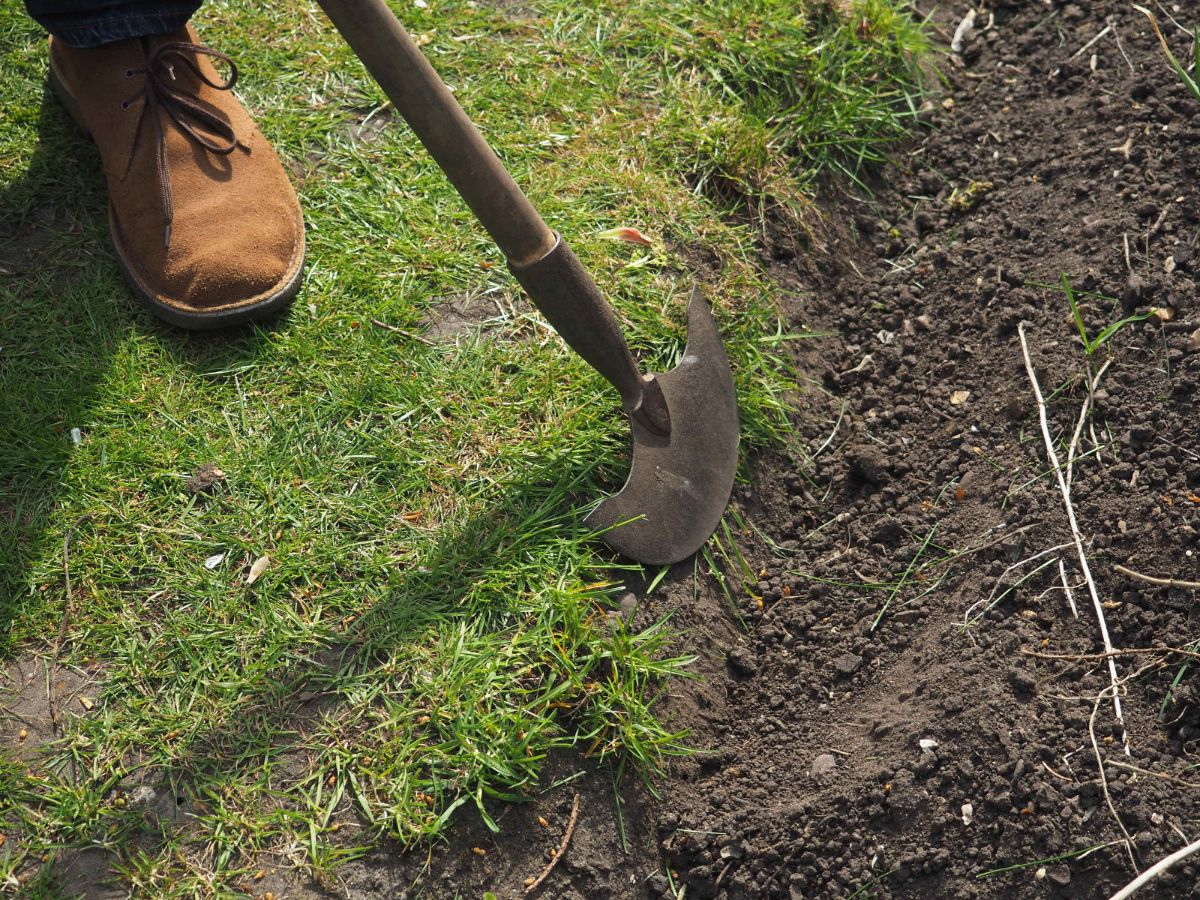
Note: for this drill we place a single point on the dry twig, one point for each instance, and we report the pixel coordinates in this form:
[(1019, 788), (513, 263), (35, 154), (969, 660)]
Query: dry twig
[(1129, 652), (1073, 448), (1062, 573), (1163, 775), (1125, 56), (1089, 44), (1104, 777), (1161, 582), (1157, 869), (562, 848), (1052, 455), (64, 623)]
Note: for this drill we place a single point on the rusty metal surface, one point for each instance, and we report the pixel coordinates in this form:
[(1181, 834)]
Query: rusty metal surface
[(569, 299), (679, 485)]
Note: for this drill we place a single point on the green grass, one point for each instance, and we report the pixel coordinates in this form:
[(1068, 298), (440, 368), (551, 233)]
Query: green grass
[(1188, 78), (1090, 344), (432, 623)]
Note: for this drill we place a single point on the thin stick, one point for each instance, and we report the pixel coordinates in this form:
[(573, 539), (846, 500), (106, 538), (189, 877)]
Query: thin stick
[(1085, 47), (1086, 408), (1062, 571), (1078, 538), (408, 334), (1132, 70), (1104, 777), (562, 848), (992, 599), (1157, 869), (1163, 775), (1161, 582), (1130, 652), (65, 622)]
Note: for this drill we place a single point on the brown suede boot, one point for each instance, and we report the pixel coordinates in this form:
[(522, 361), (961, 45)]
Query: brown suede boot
[(206, 224)]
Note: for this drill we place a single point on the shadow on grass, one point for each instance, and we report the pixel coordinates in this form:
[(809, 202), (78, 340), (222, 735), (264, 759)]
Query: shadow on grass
[(58, 333), (274, 733), (65, 312)]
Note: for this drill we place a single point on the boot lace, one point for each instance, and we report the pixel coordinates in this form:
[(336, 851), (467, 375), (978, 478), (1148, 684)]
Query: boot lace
[(162, 90)]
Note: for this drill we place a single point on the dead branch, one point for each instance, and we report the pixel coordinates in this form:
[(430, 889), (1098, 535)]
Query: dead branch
[(1062, 573), (1104, 777), (1163, 775), (562, 848), (1180, 651), (1157, 869), (1161, 582)]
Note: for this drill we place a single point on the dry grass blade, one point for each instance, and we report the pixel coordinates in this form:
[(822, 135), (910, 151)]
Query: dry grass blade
[(1155, 870), (1052, 455)]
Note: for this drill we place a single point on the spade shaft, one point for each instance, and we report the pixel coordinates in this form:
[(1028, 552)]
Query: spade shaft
[(546, 267), (684, 422)]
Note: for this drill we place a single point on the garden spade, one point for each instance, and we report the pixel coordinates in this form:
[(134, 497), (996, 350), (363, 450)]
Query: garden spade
[(684, 422)]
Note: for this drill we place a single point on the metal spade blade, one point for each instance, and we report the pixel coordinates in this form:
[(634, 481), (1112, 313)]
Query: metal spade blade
[(679, 484)]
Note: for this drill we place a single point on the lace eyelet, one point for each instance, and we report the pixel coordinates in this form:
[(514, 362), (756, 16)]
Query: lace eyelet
[(129, 73), (124, 104)]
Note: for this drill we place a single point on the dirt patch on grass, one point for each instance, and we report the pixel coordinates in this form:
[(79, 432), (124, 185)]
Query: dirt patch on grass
[(36, 698), (459, 316)]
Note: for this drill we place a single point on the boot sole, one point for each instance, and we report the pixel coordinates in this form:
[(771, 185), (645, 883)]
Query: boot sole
[(241, 315)]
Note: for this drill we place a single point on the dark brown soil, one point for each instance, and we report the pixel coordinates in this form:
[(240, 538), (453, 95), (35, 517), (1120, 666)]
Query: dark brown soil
[(854, 754)]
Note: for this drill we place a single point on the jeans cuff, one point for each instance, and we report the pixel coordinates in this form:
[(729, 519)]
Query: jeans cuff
[(105, 28)]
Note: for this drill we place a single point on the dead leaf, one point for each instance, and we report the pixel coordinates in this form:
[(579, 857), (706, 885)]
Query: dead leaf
[(958, 398), (627, 234), (205, 477), (1194, 340), (87, 703), (256, 570)]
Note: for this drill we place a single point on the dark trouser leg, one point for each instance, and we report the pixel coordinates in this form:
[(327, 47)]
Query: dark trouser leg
[(90, 23)]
